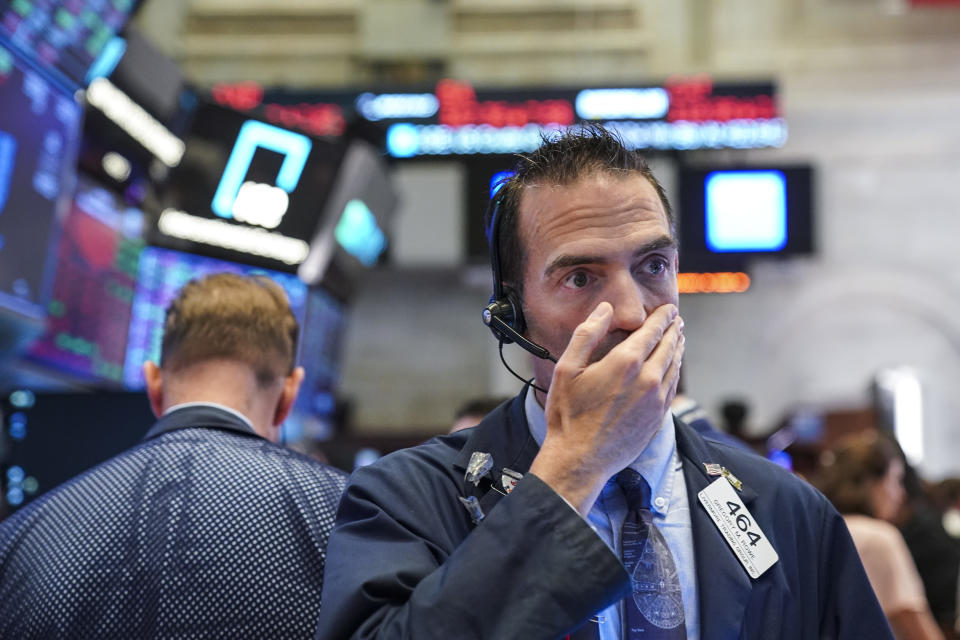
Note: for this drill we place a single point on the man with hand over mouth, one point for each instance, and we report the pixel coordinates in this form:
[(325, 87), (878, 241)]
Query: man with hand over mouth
[(581, 508)]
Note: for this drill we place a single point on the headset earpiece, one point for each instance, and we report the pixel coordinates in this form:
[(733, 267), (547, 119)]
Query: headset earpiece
[(504, 314), (505, 317)]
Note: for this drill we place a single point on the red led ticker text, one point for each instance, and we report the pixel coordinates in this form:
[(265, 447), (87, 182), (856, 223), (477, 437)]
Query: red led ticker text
[(318, 119), (459, 107), (692, 100), (242, 96)]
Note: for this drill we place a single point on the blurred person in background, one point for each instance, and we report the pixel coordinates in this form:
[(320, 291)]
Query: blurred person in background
[(863, 477), (946, 497), (689, 410), (735, 412), (473, 411), (922, 523), (207, 528)]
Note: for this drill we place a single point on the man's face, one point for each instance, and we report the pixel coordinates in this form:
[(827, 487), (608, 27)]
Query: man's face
[(603, 238)]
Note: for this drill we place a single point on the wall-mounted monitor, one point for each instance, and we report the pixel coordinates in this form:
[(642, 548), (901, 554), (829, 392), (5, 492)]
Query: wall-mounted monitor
[(65, 36), (94, 281), (246, 190), (729, 216), (352, 237), (39, 130), (162, 274), (315, 414), (53, 436), (137, 107)]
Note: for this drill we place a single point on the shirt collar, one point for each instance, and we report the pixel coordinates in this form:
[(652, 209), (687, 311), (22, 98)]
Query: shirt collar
[(656, 463), (216, 405)]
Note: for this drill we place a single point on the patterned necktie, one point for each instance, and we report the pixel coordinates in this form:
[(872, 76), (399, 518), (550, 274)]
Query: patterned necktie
[(655, 609)]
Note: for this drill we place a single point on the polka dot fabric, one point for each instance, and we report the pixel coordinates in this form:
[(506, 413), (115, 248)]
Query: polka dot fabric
[(197, 533)]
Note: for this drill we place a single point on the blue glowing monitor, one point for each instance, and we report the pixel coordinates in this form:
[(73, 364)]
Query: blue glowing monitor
[(746, 211), (66, 37), (358, 233), (40, 127), (731, 217)]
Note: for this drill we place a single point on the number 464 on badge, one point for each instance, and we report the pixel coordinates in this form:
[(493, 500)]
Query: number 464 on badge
[(738, 527)]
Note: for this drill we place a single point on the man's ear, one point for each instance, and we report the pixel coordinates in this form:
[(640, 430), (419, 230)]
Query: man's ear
[(291, 387), (154, 379)]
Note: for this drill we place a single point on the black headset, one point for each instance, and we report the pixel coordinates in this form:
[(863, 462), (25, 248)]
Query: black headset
[(504, 314)]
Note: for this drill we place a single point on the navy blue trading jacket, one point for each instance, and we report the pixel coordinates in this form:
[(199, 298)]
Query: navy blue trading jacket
[(205, 529), (408, 563)]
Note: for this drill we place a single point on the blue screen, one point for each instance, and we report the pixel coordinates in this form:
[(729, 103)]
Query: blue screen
[(321, 341), (40, 127), (65, 36), (746, 210), (161, 275)]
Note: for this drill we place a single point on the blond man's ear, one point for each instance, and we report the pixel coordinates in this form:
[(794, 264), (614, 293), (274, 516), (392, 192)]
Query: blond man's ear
[(154, 379)]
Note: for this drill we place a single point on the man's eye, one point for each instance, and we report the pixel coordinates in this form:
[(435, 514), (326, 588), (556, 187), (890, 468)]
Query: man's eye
[(577, 280), (656, 266)]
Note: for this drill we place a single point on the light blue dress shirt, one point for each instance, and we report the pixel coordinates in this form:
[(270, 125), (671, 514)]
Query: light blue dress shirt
[(660, 466)]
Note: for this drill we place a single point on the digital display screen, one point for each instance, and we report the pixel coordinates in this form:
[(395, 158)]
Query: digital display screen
[(96, 275), (321, 341), (746, 210), (162, 273), (39, 132), (66, 35), (351, 237), (246, 190), (56, 436), (320, 346), (455, 118), (730, 216)]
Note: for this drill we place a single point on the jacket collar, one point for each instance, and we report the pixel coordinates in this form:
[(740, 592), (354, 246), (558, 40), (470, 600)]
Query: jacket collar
[(199, 416)]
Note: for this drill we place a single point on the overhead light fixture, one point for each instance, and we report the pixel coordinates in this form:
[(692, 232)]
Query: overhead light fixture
[(116, 166), (135, 121), (902, 386)]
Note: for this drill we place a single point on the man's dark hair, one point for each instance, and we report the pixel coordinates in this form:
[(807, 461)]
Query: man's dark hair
[(235, 317), (853, 467), (479, 407), (576, 153)]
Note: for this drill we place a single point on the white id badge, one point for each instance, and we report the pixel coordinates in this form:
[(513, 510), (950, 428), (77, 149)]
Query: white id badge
[(738, 527)]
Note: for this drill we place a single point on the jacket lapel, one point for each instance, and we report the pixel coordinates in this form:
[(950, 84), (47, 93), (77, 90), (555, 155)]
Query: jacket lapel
[(722, 583), (503, 434)]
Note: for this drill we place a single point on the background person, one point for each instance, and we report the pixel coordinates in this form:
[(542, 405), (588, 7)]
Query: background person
[(863, 477), (471, 412), (207, 528)]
